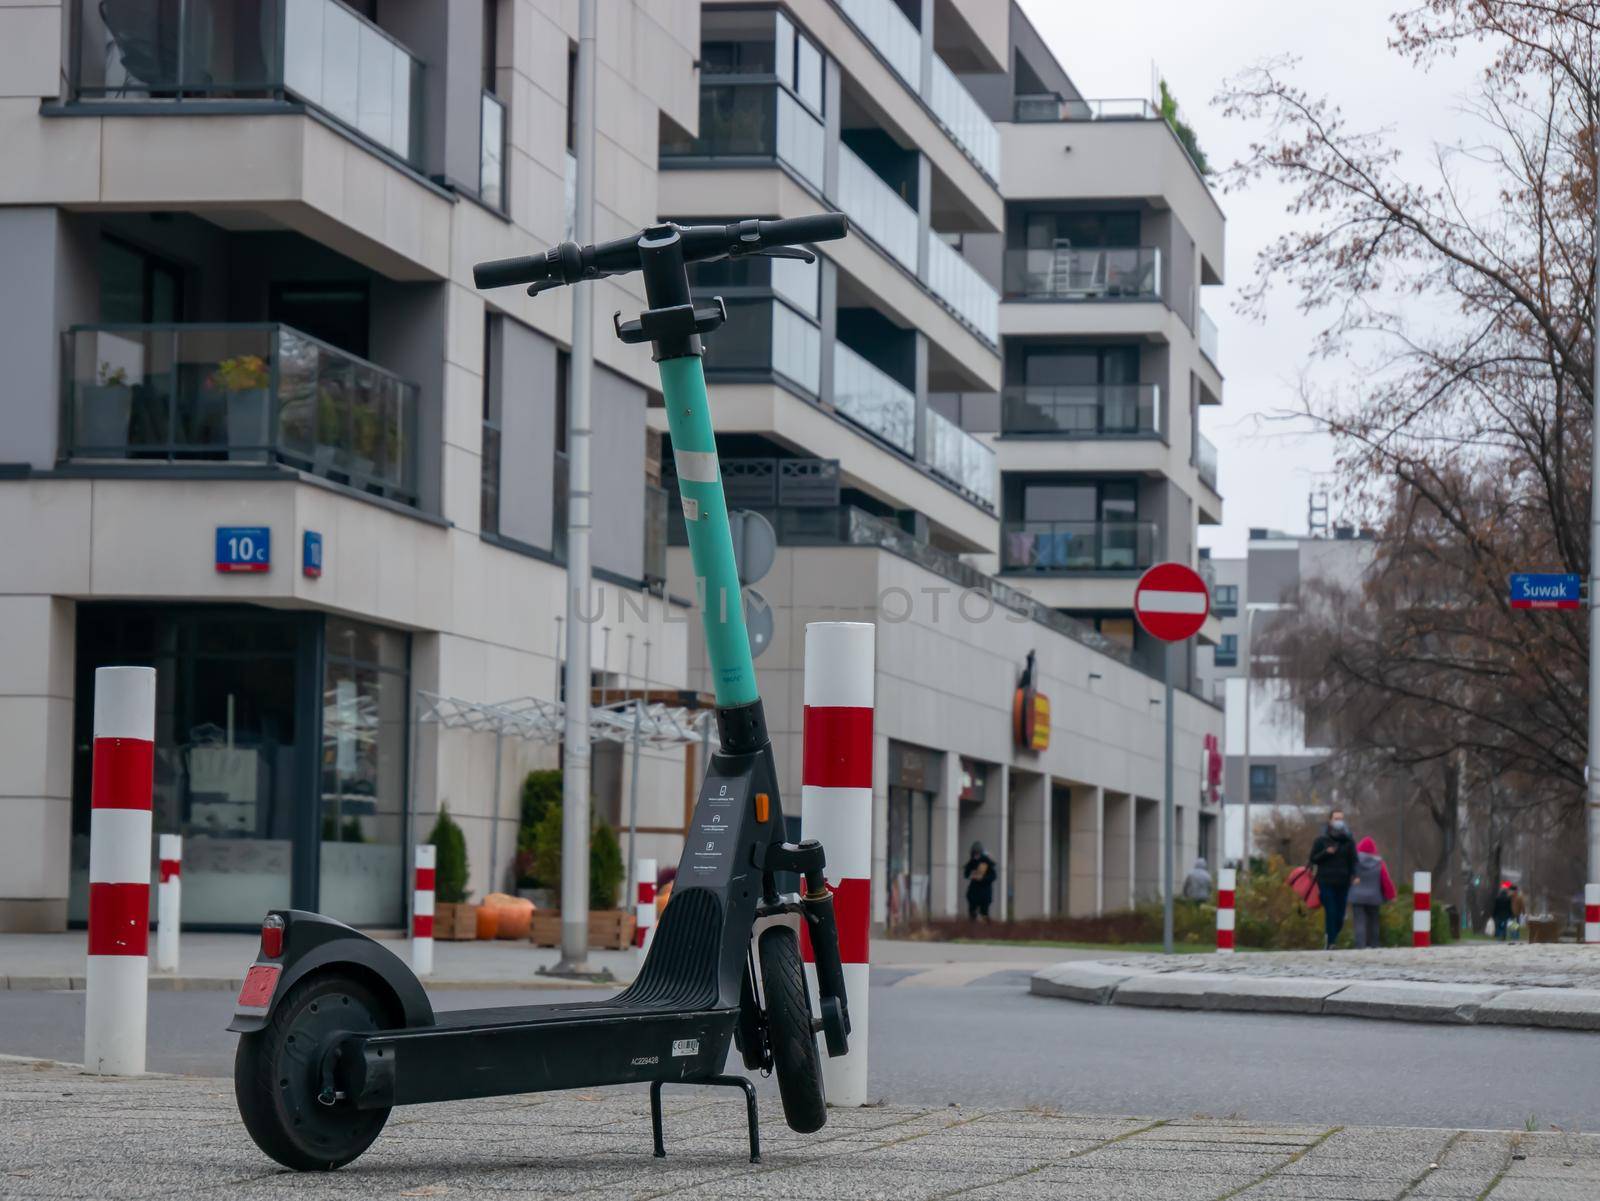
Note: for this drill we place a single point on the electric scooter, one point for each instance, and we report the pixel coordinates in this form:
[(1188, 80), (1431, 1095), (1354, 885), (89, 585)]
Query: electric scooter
[(335, 1030)]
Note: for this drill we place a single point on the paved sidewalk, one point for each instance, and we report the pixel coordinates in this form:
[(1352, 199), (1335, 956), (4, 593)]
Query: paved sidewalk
[(65, 1134), (1495, 983)]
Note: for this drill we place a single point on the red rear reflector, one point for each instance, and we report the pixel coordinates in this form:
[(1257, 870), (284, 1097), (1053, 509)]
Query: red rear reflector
[(259, 983), (272, 937)]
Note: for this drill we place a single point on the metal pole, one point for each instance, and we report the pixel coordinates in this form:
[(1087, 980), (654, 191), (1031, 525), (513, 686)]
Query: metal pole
[(1249, 653), (1591, 769), (633, 776), (575, 774), (1167, 816)]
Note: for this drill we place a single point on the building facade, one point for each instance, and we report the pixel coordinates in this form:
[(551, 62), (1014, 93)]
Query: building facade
[(262, 433)]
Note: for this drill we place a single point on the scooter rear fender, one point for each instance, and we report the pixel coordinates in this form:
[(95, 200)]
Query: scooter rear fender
[(313, 943)]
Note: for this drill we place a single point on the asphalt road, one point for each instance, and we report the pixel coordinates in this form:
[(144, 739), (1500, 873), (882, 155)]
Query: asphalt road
[(990, 1043)]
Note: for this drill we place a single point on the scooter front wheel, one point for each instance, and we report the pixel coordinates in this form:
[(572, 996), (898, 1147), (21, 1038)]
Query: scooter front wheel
[(791, 1033), (282, 1074)]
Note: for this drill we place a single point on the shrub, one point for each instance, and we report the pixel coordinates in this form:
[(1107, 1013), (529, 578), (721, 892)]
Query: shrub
[(450, 868), (541, 792), (605, 858)]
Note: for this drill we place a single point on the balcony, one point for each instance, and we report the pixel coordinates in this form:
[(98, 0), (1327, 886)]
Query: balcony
[(1205, 460), (877, 210), (755, 121), (1051, 107), (492, 153), (1065, 273), (1065, 547), (892, 34), (1208, 339), (875, 401), (963, 290), (240, 393), (763, 338), (1082, 411), (960, 459), (966, 122), (317, 52)]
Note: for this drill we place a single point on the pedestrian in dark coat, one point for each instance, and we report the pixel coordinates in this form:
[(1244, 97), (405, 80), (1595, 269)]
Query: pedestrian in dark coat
[(1333, 858), (979, 872)]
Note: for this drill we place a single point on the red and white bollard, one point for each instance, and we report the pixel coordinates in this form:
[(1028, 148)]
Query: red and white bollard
[(1591, 913), (123, 776), (1226, 880), (644, 910), (168, 901), (1422, 909), (836, 808), (422, 911)]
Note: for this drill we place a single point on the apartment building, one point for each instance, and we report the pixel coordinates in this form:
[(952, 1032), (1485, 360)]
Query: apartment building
[(1274, 753), (859, 412), (261, 432)]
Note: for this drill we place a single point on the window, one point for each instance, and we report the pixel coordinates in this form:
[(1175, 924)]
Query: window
[(1263, 783), (1225, 600), (1082, 230), (489, 479), (1227, 653), (138, 288)]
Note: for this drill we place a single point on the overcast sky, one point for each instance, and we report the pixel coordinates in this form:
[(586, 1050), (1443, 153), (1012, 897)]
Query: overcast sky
[(1267, 468)]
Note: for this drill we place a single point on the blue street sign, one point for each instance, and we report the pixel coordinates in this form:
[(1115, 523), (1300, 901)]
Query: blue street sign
[(1545, 590), (244, 548), (311, 554)]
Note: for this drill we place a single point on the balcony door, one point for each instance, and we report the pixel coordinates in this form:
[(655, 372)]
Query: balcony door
[(335, 311), (1089, 389), (136, 287), (1086, 526)]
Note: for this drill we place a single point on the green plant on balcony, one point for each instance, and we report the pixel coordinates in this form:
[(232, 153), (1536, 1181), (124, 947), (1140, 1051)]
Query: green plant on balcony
[(1184, 132), (241, 373), (244, 380)]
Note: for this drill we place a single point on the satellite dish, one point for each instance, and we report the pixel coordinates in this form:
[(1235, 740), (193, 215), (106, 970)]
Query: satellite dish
[(758, 622), (755, 545)]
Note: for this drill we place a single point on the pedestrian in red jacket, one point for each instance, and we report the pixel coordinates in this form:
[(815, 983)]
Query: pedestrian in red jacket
[(1372, 889)]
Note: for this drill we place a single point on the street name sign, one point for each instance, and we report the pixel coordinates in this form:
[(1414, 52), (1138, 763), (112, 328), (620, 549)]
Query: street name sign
[(1545, 590)]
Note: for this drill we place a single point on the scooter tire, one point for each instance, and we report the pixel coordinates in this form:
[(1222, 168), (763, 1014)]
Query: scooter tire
[(790, 1031), (277, 1074)]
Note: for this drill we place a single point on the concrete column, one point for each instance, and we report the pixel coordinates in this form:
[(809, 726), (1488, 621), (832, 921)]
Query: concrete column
[(1086, 848), (1000, 776), (1031, 844), (1117, 862), (925, 24), (1147, 850), (924, 213), (38, 645), (830, 127), (828, 311), (920, 433), (949, 852)]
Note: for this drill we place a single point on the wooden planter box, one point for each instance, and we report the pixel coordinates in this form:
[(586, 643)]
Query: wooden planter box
[(609, 929), (455, 923)]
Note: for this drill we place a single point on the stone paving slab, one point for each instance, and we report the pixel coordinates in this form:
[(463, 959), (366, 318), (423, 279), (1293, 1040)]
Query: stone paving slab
[(64, 1134), (1567, 1008), (1407, 1000)]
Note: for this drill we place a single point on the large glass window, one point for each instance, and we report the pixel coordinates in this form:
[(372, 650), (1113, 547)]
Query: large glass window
[(1263, 782), (364, 723)]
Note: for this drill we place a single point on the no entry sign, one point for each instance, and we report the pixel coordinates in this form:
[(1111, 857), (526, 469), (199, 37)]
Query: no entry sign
[(1171, 602)]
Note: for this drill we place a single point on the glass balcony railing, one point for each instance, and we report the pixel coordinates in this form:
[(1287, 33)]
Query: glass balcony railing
[(957, 282), (1050, 107), (244, 393), (1083, 410), (874, 400), (755, 120), (877, 210), (962, 116), (492, 152), (1205, 460), (1063, 547), (316, 51), (1208, 337), (960, 459), (1067, 273), (891, 32), (569, 198), (763, 337)]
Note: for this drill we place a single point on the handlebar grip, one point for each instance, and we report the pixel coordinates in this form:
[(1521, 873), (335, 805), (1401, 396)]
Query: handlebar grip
[(819, 227), (504, 272)]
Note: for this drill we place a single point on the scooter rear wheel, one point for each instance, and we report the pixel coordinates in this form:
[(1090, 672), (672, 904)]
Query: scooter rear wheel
[(790, 1032), (279, 1076)]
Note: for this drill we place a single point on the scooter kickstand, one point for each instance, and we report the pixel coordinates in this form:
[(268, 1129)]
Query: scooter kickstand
[(738, 1082)]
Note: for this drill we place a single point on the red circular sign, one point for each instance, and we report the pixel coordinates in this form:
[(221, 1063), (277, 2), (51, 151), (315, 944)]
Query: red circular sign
[(1171, 602)]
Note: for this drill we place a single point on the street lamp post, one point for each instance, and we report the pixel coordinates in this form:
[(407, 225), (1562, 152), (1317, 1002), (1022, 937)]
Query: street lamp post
[(1591, 769)]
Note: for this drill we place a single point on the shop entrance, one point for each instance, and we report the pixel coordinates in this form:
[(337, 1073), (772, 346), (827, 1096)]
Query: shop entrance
[(910, 857)]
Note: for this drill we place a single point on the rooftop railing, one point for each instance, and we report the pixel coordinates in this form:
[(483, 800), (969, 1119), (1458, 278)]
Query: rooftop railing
[(1048, 106)]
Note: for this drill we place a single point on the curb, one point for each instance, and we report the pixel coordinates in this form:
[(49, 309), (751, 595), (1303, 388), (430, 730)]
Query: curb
[(1095, 983), (229, 984)]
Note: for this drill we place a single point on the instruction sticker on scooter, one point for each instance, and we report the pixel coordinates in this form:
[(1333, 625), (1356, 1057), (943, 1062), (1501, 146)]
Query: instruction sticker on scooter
[(691, 509), (710, 856)]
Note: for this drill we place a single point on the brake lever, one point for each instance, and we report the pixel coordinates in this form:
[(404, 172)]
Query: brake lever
[(788, 252)]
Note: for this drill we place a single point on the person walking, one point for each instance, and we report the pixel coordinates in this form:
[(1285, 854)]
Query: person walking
[(1371, 891), (1197, 884), (979, 873), (1333, 858), (1501, 911)]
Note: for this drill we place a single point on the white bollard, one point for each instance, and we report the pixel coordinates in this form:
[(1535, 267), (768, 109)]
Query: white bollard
[(169, 902), (836, 809), (644, 902), (1422, 909), (117, 981), (1226, 881), (1591, 913), (422, 911)]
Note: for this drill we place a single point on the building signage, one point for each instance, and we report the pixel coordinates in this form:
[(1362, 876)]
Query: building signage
[(1030, 712), (311, 555), (244, 548), (1545, 590)]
